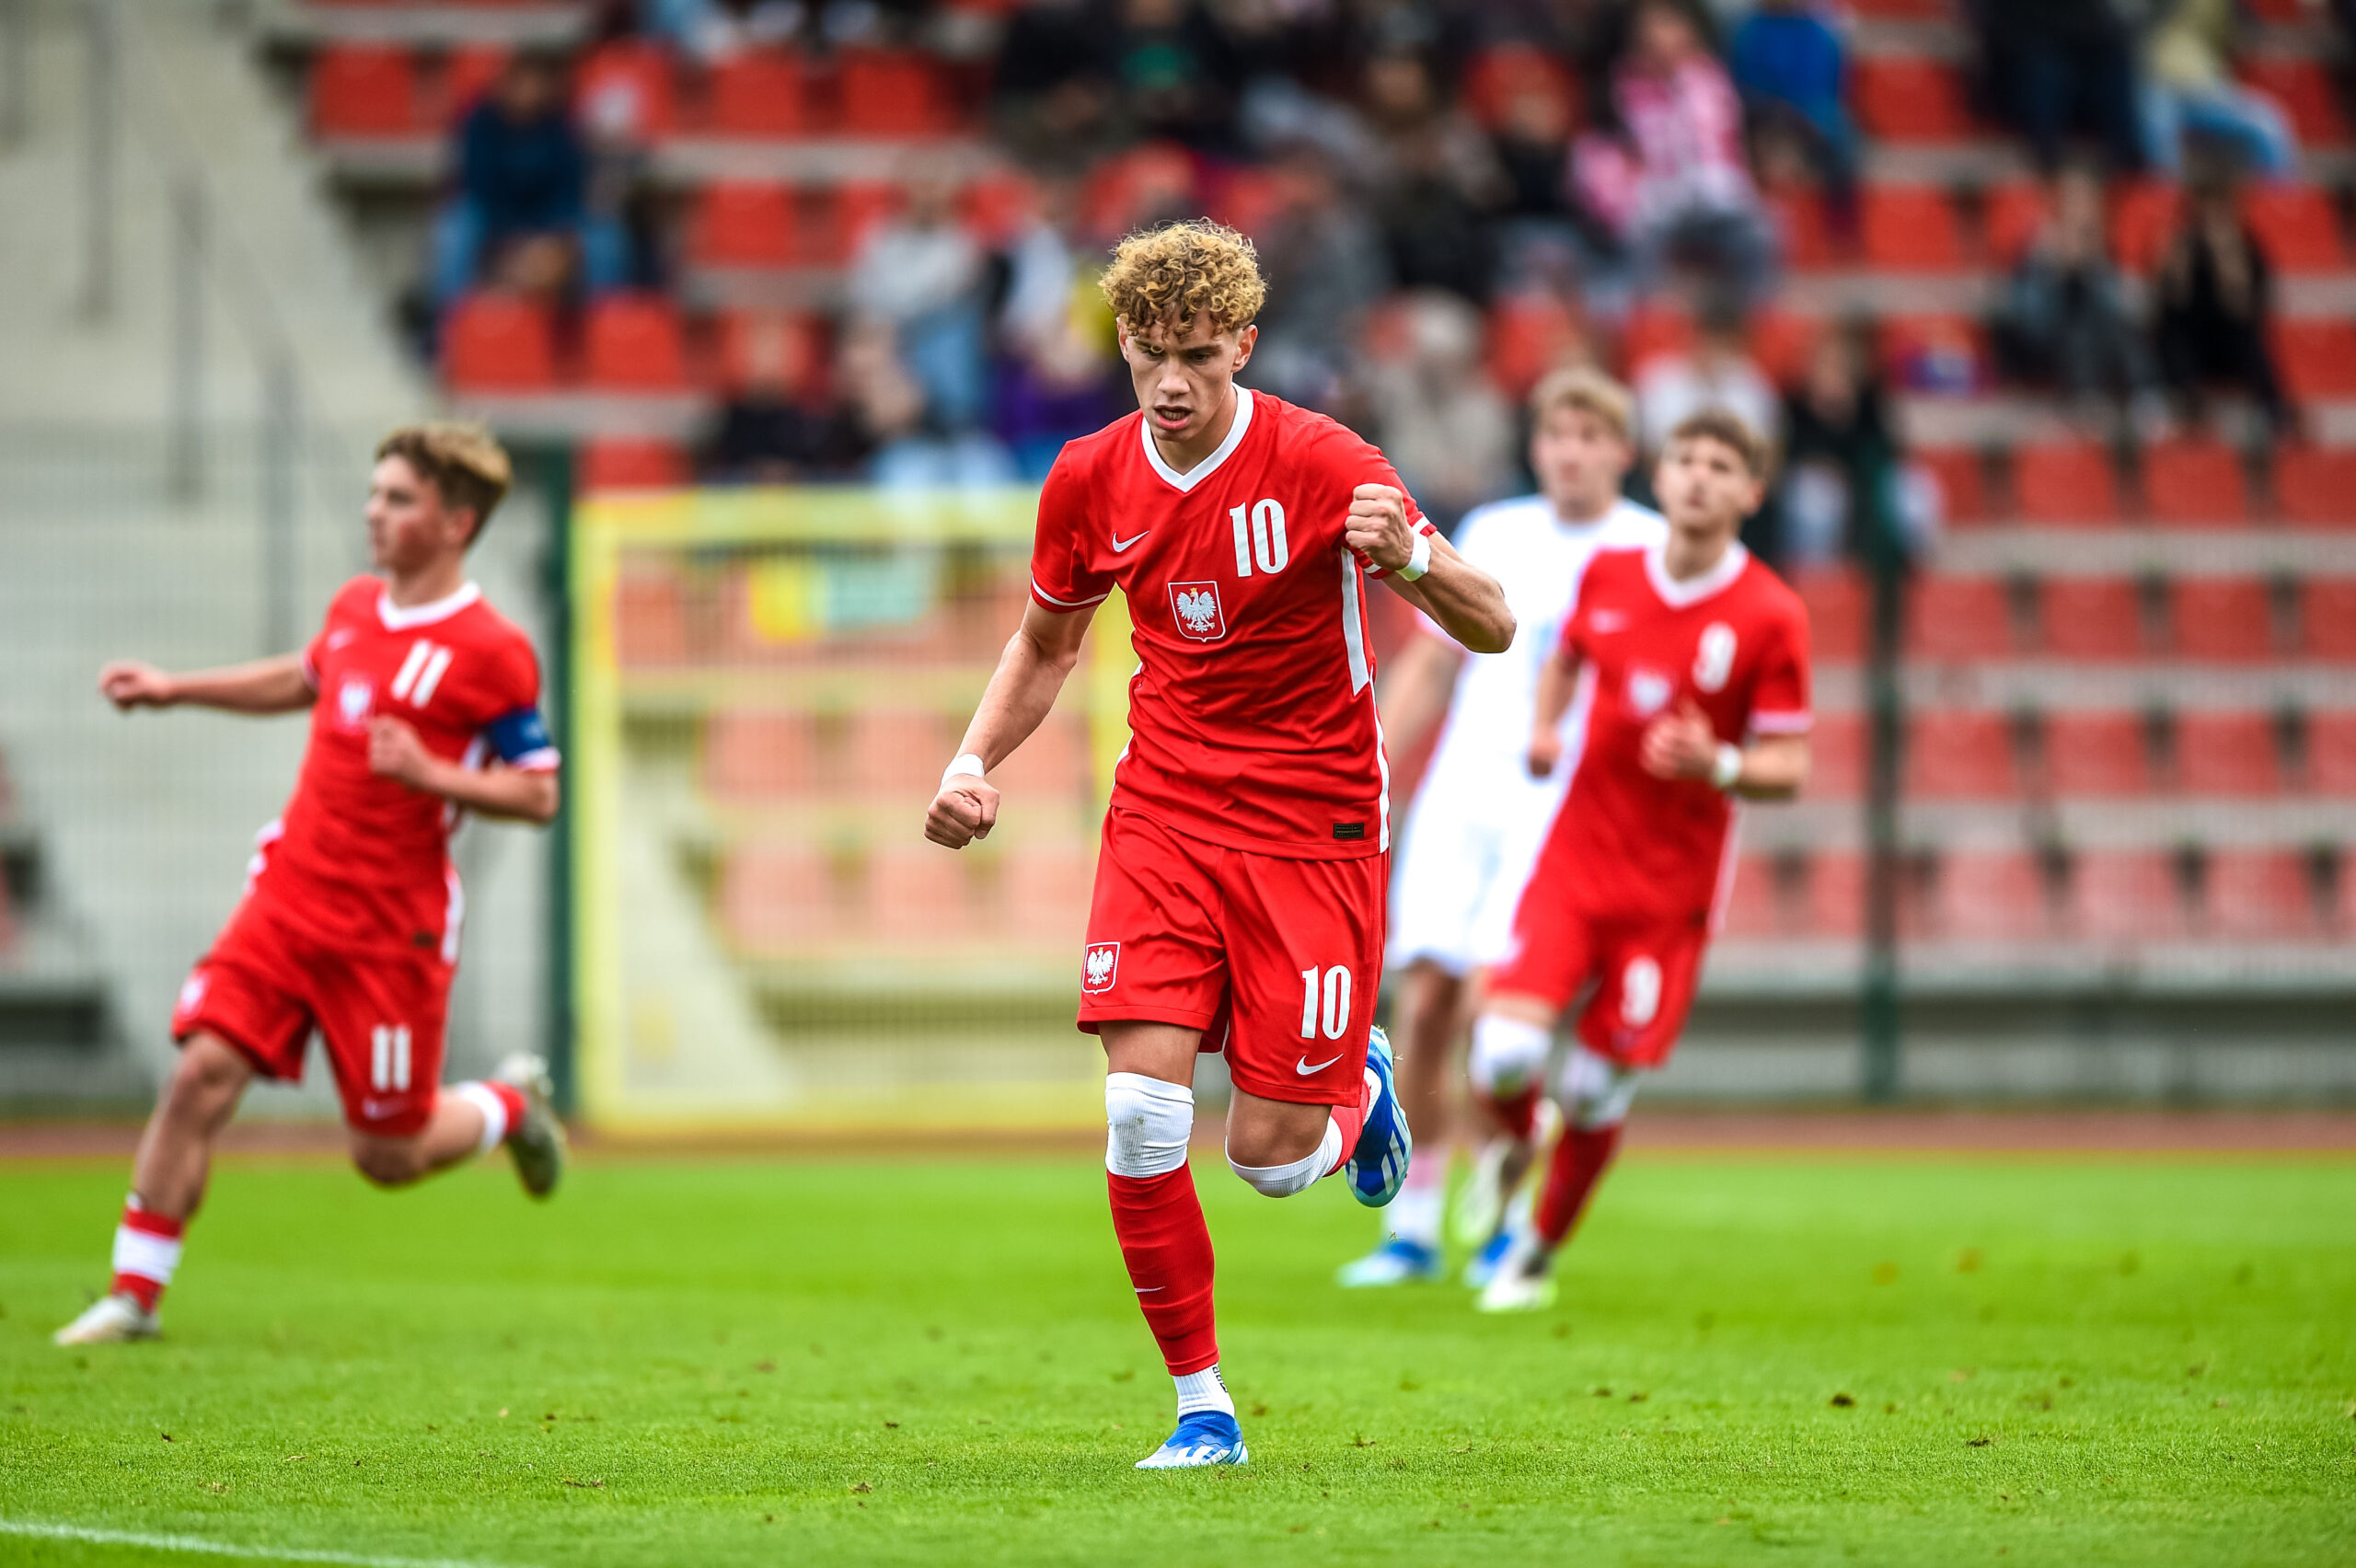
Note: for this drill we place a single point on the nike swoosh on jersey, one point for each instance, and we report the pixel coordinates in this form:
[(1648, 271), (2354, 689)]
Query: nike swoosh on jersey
[(1120, 545), (1300, 1064)]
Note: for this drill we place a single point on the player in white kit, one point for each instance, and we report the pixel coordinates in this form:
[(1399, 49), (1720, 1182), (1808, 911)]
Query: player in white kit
[(1479, 818)]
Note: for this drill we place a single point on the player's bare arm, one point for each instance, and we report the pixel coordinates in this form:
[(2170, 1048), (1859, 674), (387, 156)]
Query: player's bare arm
[(516, 794), (275, 685), (1468, 602), (1558, 681), (1038, 659), (1680, 744), (1414, 688)]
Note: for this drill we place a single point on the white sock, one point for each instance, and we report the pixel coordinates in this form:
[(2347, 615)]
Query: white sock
[(1203, 1391), (1284, 1180), (494, 1114)]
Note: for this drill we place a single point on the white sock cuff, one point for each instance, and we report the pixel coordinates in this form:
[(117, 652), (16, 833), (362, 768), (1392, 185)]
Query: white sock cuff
[(1148, 1124), (1507, 1054), (1284, 1181), (494, 1114), (144, 1253), (1203, 1391), (1596, 1093)]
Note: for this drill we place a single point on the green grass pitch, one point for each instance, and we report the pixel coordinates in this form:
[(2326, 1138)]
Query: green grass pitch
[(1757, 1359)]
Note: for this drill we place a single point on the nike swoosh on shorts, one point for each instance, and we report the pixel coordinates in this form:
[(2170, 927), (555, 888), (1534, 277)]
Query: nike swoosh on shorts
[(1300, 1064)]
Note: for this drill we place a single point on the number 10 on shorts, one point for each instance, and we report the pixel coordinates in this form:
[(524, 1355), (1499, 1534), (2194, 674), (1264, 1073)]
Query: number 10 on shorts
[(1325, 998)]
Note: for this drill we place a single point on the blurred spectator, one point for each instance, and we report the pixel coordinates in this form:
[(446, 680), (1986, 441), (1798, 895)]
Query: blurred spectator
[(2215, 293), (1541, 247), (1171, 70), (1718, 372), (1324, 262), (2064, 320), (1443, 425), (920, 273), (2188, 90), (520, 214), (2062, 67), (888, 408), (1438, 183), (1838, 447), (1677, 187), (1050, 85), (1054, 377), (711, 30), (777, 427), (1792, 70)]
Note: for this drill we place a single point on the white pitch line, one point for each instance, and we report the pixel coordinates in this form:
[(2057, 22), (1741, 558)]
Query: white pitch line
[(202, 1547)]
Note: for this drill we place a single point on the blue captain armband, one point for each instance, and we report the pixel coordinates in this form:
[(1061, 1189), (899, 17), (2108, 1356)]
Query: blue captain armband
[(521, 739)]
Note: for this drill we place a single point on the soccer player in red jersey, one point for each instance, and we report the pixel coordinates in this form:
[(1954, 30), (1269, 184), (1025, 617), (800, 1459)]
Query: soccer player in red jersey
[(1696, 659), (424, 701), (1240, 891)]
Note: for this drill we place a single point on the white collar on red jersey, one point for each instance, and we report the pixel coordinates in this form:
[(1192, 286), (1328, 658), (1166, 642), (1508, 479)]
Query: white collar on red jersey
[(401, 617), (1209, 465), (1678, 594)]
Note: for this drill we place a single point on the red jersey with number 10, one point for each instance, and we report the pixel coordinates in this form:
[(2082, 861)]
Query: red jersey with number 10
[(1252, 712), (1626, 846)]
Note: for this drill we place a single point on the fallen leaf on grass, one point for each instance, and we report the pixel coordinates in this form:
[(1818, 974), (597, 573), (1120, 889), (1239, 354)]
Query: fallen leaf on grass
[(764, 1365), (293, 1458), (165, 1435), (861, 1486), (585, 1485), (1364, 1441), (894, 1424), (1843, 1401), (218, 1488), (1978, 1442)]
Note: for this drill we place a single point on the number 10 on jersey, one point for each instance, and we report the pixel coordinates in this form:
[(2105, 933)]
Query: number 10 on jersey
[(1259, 538), (1325, 999)]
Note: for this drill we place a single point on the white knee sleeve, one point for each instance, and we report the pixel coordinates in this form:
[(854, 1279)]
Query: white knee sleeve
[(1284, 1181), (1149, 1122), (1595, 1093), (1507, 1054)]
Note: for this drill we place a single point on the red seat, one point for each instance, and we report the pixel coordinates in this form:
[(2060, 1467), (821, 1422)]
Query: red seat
[(758, 94), (1989, 895), (839, 220), (1937, 353), (2230, 754), (2296, 226), (2315, 357), (1836, 893), (635, 343), (1837, 757), (777, 898), (650, 618), (1529, 334), (2331, 755), (364, 89), (2143, 215), (2064, 481), (2327, 618), (1654, 329), (470, 71), (1504, 72), (742, 226), (1804, 229), (611, 462), (889, 747), (499, 342), (2016, 210), (1758, 904), (2304, 90), (2096, 753), (2090, 618), (1781, 341), (1910, 229), (2126, 895), (1963, 484), (2195, 480), (755, 753), (915, 894), (1959, 619), (1835, 601), (624, 92), (2223, 618), (892, 95), (1910, 99), (2257, 894), (2315, 486), (1965, 755)]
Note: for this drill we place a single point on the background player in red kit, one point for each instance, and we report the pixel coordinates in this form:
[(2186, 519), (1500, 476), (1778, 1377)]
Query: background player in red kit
[(423, 700), (1239, 893), (1697, 662)]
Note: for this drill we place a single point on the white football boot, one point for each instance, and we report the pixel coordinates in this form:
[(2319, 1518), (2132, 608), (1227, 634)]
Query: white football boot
[(110, 1320), (537, 1143), (1524, 1279)]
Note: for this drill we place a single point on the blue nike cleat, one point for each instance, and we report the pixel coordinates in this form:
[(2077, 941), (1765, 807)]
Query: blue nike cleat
[(1396, 1261), (1378, 1166), (1483, 1267), (1204, 1437)]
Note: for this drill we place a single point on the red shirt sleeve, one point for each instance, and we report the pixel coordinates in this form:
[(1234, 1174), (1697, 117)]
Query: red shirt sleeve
[(1061, 578), (1355, 463), (1779, 698)]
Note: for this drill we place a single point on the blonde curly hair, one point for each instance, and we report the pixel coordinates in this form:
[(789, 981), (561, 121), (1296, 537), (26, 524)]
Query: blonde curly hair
[(1192, 268)]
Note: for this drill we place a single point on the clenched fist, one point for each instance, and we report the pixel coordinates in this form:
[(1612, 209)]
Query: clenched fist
[(966, 809), (129, 684), (1378, 527)]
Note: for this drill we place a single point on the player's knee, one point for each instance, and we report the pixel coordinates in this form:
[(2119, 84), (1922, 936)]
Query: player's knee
[(206, 1074), (388, 1162), (1147, 1123), (1595, 1093), (1507, 1054)]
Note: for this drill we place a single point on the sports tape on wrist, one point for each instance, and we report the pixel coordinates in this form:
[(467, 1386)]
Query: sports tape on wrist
[(966, 763), (1419, 559)]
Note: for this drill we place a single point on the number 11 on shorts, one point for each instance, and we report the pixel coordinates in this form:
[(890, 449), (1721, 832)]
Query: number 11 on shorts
[(1329, 994)]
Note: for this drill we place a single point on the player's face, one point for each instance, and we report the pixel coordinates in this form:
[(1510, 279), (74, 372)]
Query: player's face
[(1579, 461), (1183, 380), (1705, 486), (408, 524)]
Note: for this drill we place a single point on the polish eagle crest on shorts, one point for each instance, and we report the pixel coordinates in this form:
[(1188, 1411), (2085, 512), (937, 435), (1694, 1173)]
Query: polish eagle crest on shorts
[(1103, 963), (1197, 608)]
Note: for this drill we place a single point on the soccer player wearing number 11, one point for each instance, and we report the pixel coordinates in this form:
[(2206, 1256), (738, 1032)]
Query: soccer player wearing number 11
[(1239, 894)]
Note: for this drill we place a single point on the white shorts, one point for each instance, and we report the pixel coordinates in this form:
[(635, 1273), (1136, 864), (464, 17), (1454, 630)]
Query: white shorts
[(1461, 866)]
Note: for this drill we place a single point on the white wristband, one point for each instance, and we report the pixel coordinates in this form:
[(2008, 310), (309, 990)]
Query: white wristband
[(965, 763), (1725, 769), (1419, 559)]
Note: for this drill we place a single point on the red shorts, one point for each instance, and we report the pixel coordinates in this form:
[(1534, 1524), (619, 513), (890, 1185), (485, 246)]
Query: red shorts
[(1275, 960), (1643, 973), (265, 985)]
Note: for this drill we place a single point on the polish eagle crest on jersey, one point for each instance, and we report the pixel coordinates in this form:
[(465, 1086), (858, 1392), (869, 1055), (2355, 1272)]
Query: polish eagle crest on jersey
[(1198, 612)]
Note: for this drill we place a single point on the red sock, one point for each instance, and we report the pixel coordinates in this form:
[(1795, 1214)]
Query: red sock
[(1516, 1112), (1580, 1156), (146, 1251), (511, 1099), (1351, 1120), (1168, 1247)]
